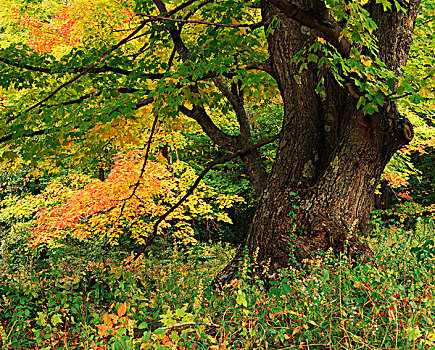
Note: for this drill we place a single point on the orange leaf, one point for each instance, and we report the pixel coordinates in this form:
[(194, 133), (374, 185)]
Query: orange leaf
[(103, 328), (122, 309), (106, 318)]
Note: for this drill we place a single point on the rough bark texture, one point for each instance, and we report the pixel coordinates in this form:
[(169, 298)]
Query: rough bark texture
[(330, 156)]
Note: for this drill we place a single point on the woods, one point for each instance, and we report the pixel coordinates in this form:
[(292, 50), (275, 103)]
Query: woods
[(302, 131)]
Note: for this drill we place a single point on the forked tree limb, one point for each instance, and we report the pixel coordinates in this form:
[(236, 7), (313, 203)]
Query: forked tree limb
[(85, 71)]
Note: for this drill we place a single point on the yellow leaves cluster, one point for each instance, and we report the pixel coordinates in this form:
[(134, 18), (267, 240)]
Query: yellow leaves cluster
[(424, 138), (20, 208), (366, 61)]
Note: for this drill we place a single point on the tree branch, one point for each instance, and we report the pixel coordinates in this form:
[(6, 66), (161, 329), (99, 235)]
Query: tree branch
[(84, 97), (78, 100), (201, 5), (182, 6), (238, 107), (265, 66), (228, 142), (330, 31), (198, 113), (144, 102), (86, 70), (241, 25), (9, 137), (102, 69), (31, 134), (142, 171)]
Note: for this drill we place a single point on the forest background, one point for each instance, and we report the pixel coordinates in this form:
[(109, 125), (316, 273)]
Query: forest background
[(89, 167)]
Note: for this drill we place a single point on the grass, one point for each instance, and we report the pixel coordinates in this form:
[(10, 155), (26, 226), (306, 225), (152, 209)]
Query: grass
[(93, 300)]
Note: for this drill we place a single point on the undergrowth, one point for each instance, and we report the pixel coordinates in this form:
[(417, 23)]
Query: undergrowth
[(100, 299)]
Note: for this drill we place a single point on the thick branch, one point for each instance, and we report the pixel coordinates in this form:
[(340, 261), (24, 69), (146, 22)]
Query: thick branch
[(227, 142), (181, 7), (330, 31), (200, 5), (237, 105), (198, 113), (103, 69), (83, 98), (9, 137), (24, 66), (265, 66), (31, 134), (78, 100), (144, 102), (96, 64), (253, 162)]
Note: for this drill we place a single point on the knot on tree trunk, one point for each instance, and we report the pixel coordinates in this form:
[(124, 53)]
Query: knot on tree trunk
[(401, 129), (402, 132), (408, 130)]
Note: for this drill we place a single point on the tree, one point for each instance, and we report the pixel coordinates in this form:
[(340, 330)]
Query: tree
[(336, 65)]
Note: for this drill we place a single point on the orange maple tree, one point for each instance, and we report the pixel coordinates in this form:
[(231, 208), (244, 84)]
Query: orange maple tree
[(128, 204), (71, 24), (46, 36)]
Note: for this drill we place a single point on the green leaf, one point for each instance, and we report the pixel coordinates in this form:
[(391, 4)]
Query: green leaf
[(385, 4), (146, 336), (312, 58), (143, 325), (56, 319)]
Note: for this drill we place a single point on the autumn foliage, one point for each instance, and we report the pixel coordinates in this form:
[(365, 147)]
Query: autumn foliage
[(127, 203), (59, 31), (45, 36)]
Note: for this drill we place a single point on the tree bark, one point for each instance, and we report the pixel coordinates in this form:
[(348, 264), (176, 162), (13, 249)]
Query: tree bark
[(330, 156)]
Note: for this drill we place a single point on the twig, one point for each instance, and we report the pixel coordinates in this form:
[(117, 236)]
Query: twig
[(181, 7), (142, 171), (211, 324)]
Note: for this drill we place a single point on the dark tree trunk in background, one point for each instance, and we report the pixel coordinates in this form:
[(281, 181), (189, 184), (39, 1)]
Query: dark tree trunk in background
[(101, 176), (330, 156)]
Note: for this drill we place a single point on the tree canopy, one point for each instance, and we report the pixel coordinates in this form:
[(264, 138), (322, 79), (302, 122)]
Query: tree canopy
[(86, 71)]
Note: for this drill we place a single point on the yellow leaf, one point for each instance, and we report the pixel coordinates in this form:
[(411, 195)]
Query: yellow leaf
[(313, 323), (366, 61), (296, 330)]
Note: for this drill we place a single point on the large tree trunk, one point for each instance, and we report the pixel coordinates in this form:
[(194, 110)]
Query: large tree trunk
[(330, 156)]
